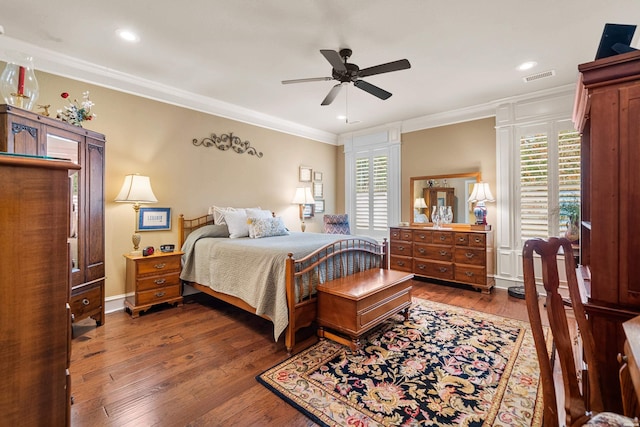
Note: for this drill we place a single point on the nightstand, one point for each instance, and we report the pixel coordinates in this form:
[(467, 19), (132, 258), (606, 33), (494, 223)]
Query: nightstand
[(152, 280)]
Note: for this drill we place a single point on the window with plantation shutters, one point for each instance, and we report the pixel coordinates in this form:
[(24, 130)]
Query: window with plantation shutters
[(372, 192), (549, 181)]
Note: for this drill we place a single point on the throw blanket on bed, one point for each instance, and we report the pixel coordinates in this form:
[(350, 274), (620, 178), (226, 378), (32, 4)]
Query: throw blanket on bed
[(250, 269)]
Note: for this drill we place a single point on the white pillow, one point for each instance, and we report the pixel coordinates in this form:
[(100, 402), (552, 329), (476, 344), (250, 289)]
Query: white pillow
[(236, 221), (266, 227), (218, 213), (253, 213)]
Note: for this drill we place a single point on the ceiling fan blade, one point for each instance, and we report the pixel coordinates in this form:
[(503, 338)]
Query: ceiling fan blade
[(312, 79), (372, 89), (402, 64), (332, 94), (334, 59)]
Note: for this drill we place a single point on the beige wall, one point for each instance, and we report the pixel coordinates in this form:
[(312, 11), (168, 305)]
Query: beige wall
[(155, 139), (459, 148)]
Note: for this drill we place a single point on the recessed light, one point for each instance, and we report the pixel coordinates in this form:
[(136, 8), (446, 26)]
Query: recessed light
[(526, 65), (128, 35), (341, 117)]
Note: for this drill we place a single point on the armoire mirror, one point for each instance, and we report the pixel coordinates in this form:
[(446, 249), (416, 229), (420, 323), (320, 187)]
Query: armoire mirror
[(442, 190)]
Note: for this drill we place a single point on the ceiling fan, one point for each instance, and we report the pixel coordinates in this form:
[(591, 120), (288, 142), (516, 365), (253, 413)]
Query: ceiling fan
[(345, 72)]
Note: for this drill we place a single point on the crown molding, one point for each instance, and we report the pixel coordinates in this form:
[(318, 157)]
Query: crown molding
[(77, 69)]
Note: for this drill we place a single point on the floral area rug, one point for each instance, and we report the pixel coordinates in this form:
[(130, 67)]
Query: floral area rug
[(445, 366)]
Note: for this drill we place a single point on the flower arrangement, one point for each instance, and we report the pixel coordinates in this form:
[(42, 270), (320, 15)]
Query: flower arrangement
[(76, 113), (571, 209)]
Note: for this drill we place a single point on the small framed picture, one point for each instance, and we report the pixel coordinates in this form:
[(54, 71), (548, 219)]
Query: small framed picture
[(308, 211), (305, 174), (319, 206), (151, 219), (317, 176), (318, 190)]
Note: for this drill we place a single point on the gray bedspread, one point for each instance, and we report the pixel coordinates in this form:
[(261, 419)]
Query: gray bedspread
[(250, 269)]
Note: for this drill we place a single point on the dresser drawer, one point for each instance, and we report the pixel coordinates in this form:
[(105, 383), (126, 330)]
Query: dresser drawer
[(469, 274), (158, 295), (400, 234), (158, 265), (401, 263), (433, 252), (155, 282), (439, 270), (85, 301), (470, 256), (401, 248), (443, 237), (423, 236), (477, 240)]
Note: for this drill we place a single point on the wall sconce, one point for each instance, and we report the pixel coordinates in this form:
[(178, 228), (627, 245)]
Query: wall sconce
[(303, 197), (136, 189), (480, 194)]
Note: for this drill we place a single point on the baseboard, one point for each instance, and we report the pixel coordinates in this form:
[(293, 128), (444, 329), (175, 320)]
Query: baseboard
[(114, 303)]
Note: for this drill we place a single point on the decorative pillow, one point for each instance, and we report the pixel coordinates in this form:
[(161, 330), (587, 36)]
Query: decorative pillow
[(236, 220), (257, 214), (267, 227), (218, 213)]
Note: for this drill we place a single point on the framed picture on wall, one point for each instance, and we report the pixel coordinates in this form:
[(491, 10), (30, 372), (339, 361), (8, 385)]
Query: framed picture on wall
[(317, 176), (305, 174), (151, 219), (318, 190), (319, 206), (308, 211)]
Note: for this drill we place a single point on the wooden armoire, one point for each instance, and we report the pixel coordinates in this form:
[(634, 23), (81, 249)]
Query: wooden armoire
[(607, 113), (25, 132), (35, 318)]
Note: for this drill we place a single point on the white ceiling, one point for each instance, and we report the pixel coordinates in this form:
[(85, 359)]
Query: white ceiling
[(230, 56)]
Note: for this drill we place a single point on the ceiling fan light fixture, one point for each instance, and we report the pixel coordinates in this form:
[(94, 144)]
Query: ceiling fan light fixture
[(526, 65), (128, 35)]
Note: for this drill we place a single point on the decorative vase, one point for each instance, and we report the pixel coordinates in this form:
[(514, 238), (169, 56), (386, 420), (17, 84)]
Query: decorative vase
[(573, 232), (18, 83)]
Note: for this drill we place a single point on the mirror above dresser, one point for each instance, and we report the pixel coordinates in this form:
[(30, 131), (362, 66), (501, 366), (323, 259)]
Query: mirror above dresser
[(442, 190)]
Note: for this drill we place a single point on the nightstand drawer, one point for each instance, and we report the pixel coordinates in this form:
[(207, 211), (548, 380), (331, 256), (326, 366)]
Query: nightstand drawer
[(158, 265), (156, 296), (155, 282)]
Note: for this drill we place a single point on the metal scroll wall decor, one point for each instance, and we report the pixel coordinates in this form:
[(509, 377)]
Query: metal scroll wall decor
[(228, 141)]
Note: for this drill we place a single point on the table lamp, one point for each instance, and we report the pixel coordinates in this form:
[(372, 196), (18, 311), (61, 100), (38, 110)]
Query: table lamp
[(136, 189), (480, 194), (303, 197)]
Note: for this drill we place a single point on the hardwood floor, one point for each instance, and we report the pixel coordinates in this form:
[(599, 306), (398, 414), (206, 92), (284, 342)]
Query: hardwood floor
[(195, 365)]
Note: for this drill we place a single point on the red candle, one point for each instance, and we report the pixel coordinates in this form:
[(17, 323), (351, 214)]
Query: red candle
[(21, 81)]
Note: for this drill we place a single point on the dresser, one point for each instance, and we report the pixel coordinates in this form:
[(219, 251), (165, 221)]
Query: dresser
[(25, 132), (460, 256), (152, 280), (35, 321)]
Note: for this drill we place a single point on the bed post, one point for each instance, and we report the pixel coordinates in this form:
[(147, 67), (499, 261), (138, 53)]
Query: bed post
[(290, 332), (181, 230), (385, 251)]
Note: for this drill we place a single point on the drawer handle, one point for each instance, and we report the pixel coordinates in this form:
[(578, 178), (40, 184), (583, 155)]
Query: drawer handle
[(421, 266), (469, 273), (460, 239), (444, 253), (443, 269), (400, 263), (160, 294), (422, 250), (442, 238), (85, 301), (422, 236), (478, 240), (401, 248), (161, 265), (160, 281), (470, 255)]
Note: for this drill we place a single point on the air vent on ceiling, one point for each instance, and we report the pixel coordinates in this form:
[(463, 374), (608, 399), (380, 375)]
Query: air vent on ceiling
[(538, 76)]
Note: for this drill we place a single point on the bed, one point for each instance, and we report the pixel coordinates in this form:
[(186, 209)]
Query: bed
[(272, 277)]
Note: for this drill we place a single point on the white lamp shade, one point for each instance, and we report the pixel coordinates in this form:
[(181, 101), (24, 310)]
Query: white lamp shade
[(481, 193), (136, 189), (419, 203), (303, 196)]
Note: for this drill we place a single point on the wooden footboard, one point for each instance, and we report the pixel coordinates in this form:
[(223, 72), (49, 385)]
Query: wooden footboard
[(338, 259)]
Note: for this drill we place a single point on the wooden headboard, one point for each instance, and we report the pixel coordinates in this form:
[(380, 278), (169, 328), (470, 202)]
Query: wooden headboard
[(186, 226)]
